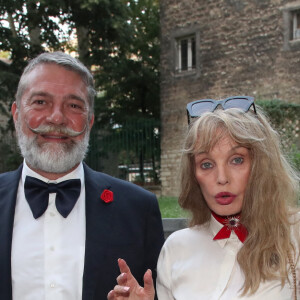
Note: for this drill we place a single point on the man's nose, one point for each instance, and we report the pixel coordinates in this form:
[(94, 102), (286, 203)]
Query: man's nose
[(56, 115)]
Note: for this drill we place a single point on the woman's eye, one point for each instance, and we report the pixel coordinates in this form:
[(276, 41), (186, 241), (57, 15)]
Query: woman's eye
[(206, 165), (238, 160)]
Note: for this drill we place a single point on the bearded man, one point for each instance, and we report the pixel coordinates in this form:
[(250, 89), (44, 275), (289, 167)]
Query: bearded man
[(62, 225)]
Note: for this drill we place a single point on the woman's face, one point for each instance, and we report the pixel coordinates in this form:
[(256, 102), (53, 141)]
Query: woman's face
[(223, 174)]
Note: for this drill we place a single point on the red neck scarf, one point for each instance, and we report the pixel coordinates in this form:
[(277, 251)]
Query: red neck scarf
[(230, 223)]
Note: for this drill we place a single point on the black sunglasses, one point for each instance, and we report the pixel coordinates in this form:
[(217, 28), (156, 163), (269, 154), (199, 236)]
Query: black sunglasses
[(196, 108)]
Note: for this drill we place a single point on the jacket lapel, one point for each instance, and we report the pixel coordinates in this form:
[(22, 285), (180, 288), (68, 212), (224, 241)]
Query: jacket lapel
[(99, 216), (8, 193)]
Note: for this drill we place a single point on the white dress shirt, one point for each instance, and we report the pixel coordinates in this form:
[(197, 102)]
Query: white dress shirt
[(195, 267), (48, 252)]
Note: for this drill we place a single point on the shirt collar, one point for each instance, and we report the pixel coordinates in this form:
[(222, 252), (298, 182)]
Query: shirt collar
[(77, 173), (215, 227)]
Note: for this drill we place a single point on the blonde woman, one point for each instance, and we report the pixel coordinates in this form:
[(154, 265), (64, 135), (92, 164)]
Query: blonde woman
[(243, 242)]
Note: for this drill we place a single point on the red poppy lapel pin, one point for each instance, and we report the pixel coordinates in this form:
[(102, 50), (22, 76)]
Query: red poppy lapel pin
[(107, 196)]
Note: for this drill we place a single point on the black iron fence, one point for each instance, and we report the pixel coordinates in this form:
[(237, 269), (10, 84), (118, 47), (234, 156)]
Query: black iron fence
[(130, 151)]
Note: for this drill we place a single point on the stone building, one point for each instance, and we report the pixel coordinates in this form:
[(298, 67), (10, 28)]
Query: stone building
[(220, 48)]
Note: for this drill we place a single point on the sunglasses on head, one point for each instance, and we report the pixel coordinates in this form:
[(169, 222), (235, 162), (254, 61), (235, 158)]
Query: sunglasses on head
[(196, 108)]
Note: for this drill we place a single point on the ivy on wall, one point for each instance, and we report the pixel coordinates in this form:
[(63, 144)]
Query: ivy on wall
[(285, 118)]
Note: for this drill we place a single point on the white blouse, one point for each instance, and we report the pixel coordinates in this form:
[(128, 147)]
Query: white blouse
[(192, 266)]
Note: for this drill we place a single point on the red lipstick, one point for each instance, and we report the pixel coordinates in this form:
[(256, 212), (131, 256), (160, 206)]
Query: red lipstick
[(225, 198)]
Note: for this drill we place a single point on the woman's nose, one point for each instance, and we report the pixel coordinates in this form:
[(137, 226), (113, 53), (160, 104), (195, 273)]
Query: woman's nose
[(222, 176)]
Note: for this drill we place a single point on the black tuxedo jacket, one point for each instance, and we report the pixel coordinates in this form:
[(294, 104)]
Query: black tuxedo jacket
[(130, 227)]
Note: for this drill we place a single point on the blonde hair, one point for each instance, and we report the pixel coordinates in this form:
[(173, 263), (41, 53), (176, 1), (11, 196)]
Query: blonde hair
[(272, 188)]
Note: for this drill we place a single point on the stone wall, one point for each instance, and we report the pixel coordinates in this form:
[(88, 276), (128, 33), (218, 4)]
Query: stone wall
[(242, 48), (171, 225)]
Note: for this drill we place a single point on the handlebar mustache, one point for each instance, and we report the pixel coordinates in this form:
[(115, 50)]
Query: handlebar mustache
[(44, 129)]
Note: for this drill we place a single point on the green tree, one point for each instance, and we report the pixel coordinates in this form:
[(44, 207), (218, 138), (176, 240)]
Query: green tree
[(117, 39), (26, 29), (129, 79)]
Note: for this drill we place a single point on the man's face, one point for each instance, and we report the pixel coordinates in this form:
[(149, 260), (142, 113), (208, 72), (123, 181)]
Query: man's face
[(52, 121)]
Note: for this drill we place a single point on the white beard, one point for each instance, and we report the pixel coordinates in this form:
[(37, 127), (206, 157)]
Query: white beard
[(52, 157)]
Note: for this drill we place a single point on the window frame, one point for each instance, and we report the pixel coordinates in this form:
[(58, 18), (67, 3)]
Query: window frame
[(184, 34), (290, 22), (295, 25), (190, 59)]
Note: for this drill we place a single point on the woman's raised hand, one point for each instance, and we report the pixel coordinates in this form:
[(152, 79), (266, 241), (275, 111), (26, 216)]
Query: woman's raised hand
[(128, 288)]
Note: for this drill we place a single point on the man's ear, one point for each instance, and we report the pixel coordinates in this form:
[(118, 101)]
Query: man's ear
[(14, 111), (92, 121)]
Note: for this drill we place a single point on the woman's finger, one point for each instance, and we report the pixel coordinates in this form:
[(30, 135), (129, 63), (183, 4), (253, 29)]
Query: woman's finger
[(122, 279), (120, 290), (148, 284), (111, 295), (123, 266)]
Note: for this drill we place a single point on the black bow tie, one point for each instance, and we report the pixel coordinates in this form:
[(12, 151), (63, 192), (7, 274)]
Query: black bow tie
[(37, 195)]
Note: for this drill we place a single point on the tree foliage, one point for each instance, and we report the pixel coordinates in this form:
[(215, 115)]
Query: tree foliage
[(284, 118), (117, 39), (130, 78)]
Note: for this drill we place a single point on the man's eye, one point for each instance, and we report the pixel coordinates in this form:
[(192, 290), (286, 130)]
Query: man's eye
[(76, 106), (238, 160), (40, 102)]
